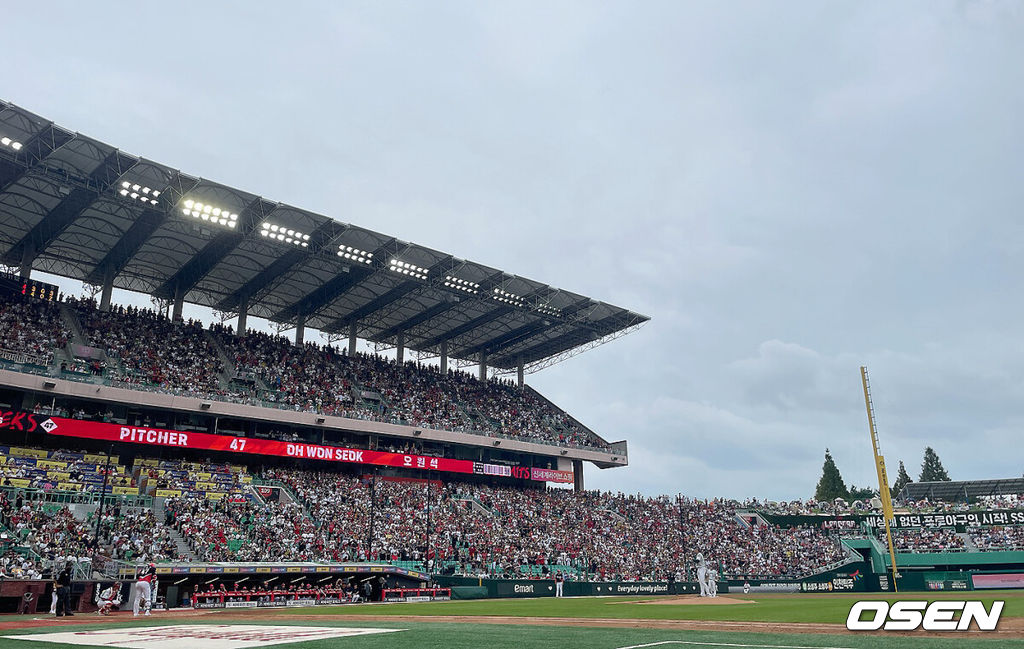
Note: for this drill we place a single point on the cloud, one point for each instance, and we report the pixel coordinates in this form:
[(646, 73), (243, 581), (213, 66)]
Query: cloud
[(788, 191)]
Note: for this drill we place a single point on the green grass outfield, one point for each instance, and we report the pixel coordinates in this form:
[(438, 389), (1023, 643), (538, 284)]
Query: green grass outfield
[(420, 634), (827, 609)]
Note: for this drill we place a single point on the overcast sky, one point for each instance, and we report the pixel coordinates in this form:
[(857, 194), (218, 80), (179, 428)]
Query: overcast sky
[(789, 190)]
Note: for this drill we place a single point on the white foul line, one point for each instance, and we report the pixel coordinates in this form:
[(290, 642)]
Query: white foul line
[(726, 644)]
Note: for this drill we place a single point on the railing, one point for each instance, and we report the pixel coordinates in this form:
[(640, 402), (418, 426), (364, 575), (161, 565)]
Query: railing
[(56, 497), (616, 449)]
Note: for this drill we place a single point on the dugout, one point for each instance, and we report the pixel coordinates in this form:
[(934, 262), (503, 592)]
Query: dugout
[(176, 583)]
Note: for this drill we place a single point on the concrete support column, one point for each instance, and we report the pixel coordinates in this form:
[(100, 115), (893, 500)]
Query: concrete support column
[(243, 317), (520, 373), (108, 289), (352, 339), (577, 475), (179, 303), (444, 358), (300, 330), (483, 366), (28, 255), (400, 349)]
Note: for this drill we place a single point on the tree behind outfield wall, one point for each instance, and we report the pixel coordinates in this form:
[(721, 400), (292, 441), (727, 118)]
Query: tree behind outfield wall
[(862, 493), (902, 480), (932, 469), (831, 485)]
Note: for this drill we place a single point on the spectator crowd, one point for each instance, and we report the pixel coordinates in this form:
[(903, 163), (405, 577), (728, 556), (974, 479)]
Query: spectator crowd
[(143, 349)]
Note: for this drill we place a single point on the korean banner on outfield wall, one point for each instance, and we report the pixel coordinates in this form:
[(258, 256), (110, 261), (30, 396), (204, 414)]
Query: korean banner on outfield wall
[(902, 521), (107, 432)]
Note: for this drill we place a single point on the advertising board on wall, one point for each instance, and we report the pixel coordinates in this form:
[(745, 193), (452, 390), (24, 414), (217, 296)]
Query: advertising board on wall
[(159, 437)]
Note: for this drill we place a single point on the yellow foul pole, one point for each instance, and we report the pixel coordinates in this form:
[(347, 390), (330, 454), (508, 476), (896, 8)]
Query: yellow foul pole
[(883, 478)]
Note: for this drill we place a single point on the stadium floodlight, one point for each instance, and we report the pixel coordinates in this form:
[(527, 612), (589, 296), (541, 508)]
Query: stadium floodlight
[(405, 268), (141, 193), (355, 254), (547, 309), (209, 213), (461, 284), (276, 232), (506, 297), (8, 142)]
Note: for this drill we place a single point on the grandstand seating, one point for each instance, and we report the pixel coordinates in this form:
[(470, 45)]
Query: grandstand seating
[(997, 538), (31, 328), (62, 470), (144, 350), (474, 529), (927, 540), (166, 478)]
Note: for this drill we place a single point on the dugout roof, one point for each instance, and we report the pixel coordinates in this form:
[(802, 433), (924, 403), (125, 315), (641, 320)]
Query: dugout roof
[(82, 209), (962, 490)]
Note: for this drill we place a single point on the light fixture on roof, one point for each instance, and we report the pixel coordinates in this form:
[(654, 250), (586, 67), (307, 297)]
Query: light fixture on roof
[(461, 284), (281, 233), (506, 297), (355, 254), (547, 309), (141, 193), (14, 144), (405, 268), (207, 212)]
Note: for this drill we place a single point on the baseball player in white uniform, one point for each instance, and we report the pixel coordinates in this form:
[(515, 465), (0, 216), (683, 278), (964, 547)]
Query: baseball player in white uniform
[(108, 599), (144, 578)]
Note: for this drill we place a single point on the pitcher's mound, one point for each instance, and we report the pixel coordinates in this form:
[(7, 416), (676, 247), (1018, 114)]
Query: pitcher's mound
[(696, 599)]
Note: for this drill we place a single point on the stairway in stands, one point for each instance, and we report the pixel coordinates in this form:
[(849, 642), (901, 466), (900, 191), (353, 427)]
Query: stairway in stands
[(70, 319), (969, 545), (229, 365), (180, 544)]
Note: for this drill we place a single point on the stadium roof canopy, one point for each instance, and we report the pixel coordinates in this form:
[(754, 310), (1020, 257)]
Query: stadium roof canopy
[(962, 490), (82, 209)]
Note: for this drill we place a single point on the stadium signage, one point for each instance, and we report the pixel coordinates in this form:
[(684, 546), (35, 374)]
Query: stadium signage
[(919, 614), (643, 589), (62, 426), (901, 521)]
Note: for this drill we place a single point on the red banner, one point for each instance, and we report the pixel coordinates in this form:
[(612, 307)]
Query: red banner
[(107, 432)]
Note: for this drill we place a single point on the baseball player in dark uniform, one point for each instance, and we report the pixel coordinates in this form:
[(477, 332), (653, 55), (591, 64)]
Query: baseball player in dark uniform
[(64, 590)]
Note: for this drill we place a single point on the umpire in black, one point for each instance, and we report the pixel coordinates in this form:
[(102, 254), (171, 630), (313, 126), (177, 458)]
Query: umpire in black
[(64, 590)]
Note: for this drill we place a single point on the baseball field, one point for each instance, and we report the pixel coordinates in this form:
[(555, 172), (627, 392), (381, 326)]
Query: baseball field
[(777, 621)]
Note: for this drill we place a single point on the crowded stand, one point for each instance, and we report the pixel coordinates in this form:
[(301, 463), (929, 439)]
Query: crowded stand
[(177, 478), (32, 329), (927, 540), (152, 350), (997, 538), (137, 536), (745, 549), (231, 529), (840, 507), (45, 530), (474, 529), (603, 534), (14, 565), (59, 470), (142, 349)]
